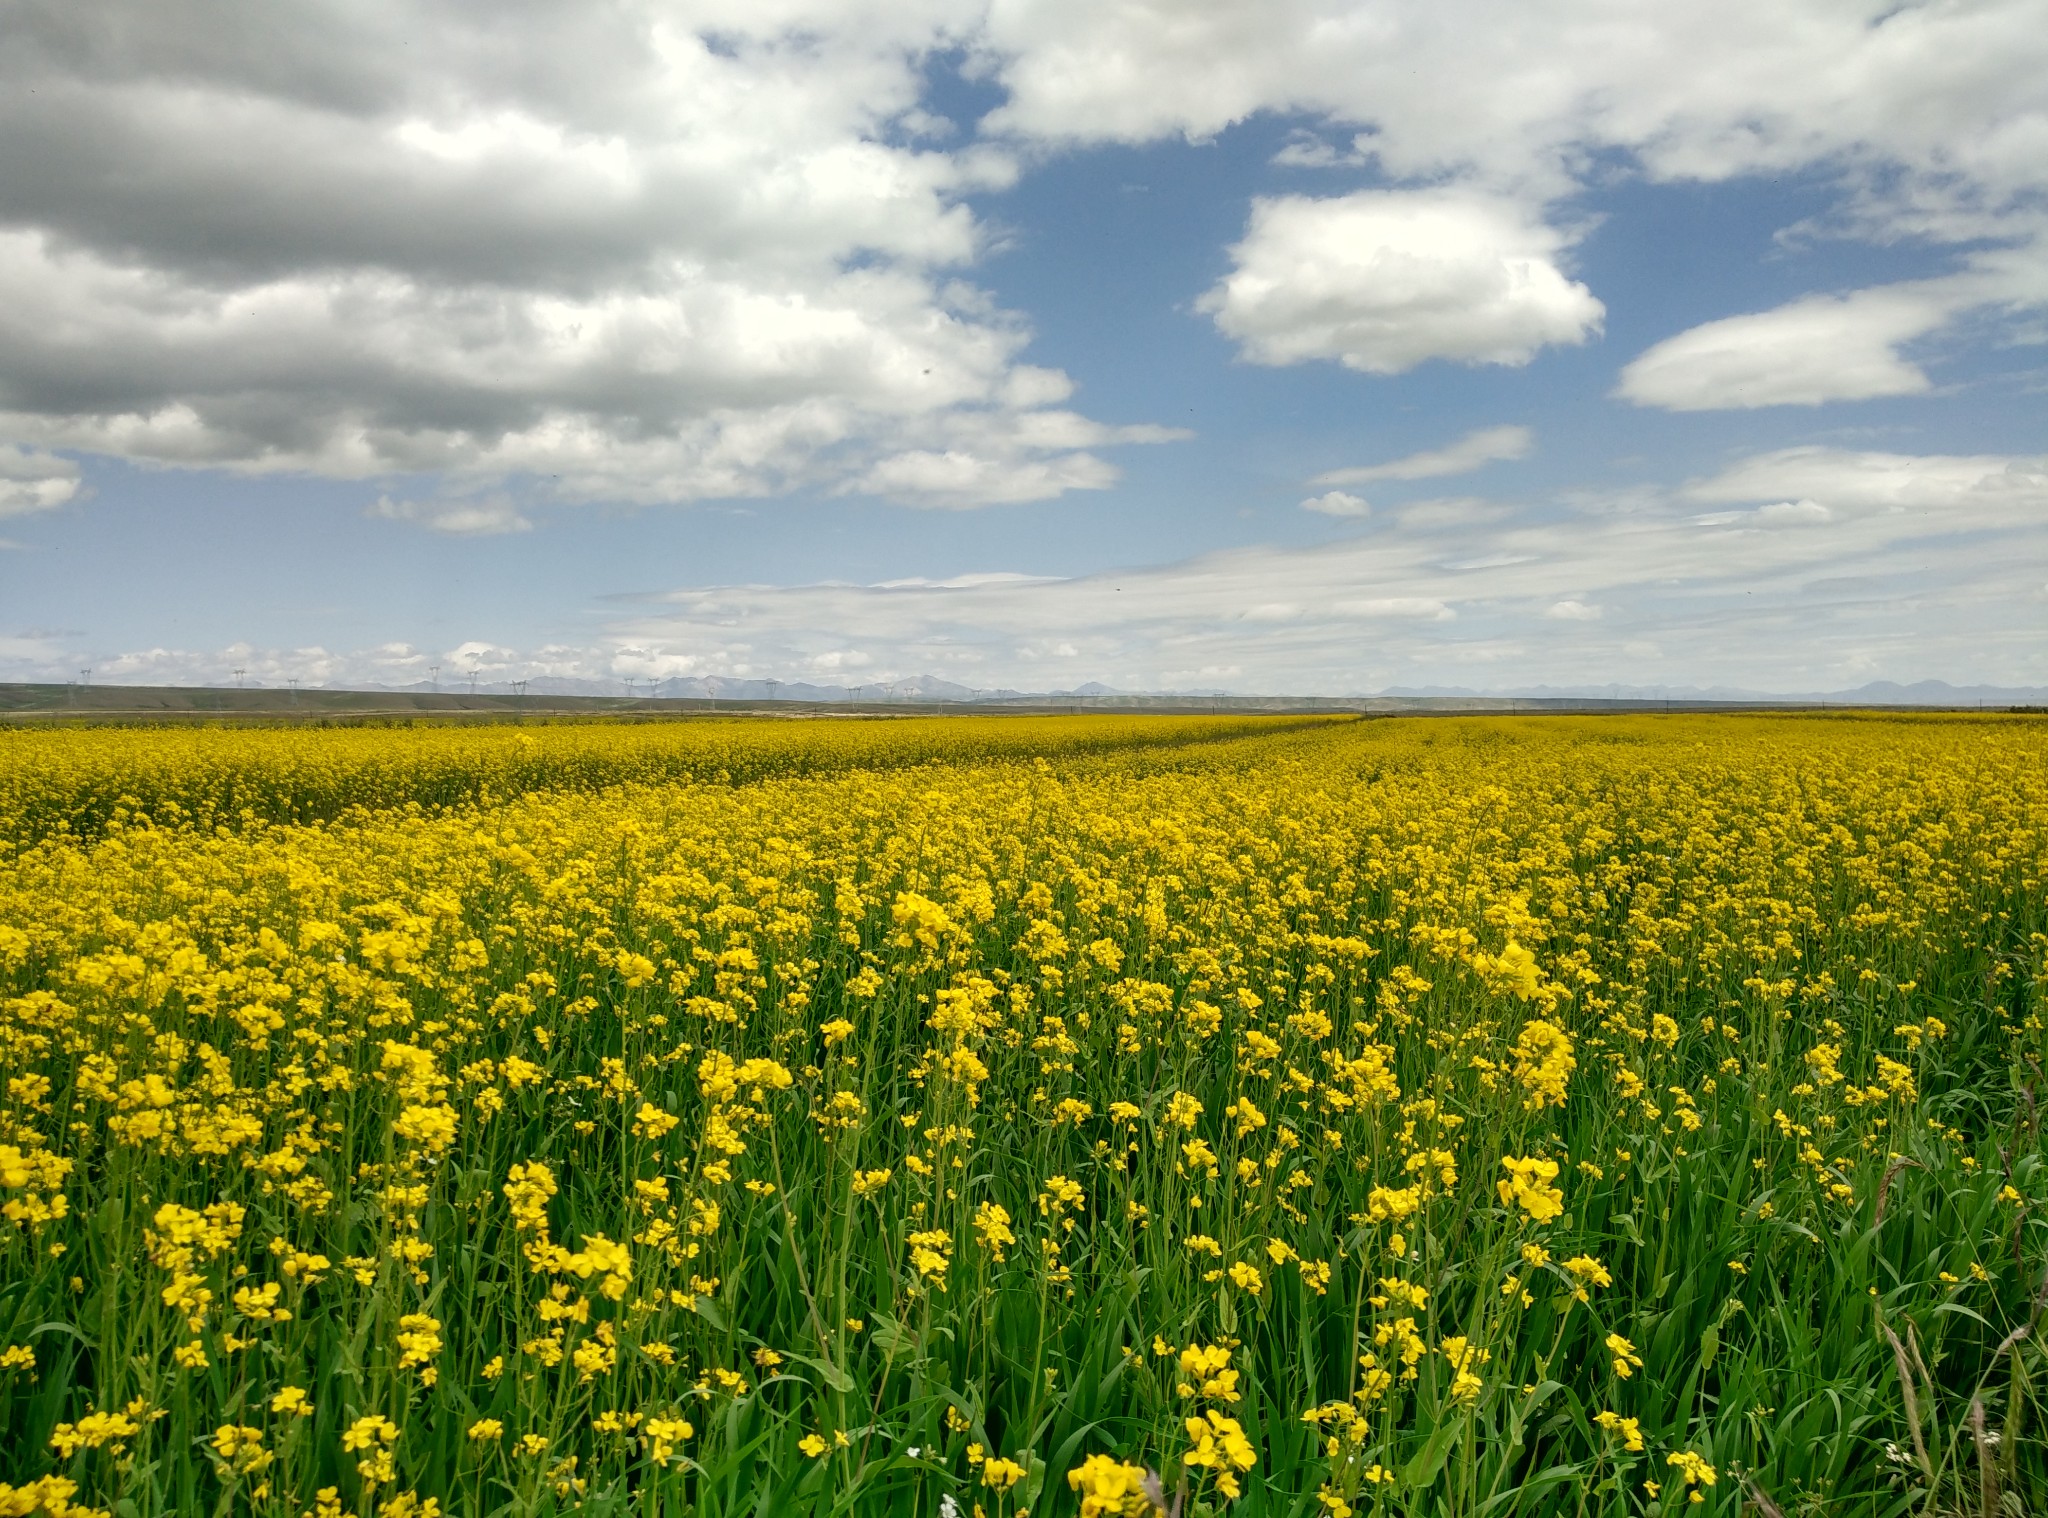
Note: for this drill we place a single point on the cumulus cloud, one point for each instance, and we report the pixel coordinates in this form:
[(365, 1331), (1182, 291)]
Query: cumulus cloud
[(1935, 112), (35, 481), (650, 253), (1337, 503), (644, 255), (1474, 450), (1932, 119), (1383, 280)]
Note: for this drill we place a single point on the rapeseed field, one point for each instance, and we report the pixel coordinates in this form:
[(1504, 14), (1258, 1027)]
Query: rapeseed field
[(1005, 1117)]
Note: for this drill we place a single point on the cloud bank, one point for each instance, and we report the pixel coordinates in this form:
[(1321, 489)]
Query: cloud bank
[(1798, 569), (643, 255), (653, 253)]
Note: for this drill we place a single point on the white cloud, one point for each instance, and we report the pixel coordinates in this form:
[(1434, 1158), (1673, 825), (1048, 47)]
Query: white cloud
[(1840, 347), (642, 255), (1419, 608), (1472, 451), (1824, 348), (1338, 503), (35, 481), (487, 516), (1443, 513), (1795, 513), (1950, 491), (1937, 111), (650, 253), (1306, 150), (984, 457), (1383, 280), (1811, 569), (1931, 118), (957, 478), (1896, 570)]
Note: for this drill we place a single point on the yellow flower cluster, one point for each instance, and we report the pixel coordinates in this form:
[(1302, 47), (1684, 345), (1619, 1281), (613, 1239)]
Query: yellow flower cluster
[(792, 1115)]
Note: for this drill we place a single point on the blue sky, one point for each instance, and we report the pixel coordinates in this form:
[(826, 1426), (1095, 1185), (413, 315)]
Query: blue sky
[(1314, 347)]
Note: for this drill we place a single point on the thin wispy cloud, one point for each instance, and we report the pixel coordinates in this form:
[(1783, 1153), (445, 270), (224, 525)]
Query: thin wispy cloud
[(1475, 450)]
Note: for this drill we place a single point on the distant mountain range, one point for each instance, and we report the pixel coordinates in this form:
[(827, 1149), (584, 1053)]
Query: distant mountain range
[(732, 689), (924, 688), (721, 688), (568, 697), (1876, 693)]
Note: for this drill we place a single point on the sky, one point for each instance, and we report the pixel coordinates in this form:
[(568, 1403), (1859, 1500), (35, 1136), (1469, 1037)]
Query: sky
[(1260, 346)]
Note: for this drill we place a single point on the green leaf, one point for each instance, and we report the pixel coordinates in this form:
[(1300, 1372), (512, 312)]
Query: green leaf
[(833, 1376), (1957, 1307), (1556, 1475), (1422, 1470), (892, 1338), (1545, 1390)]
